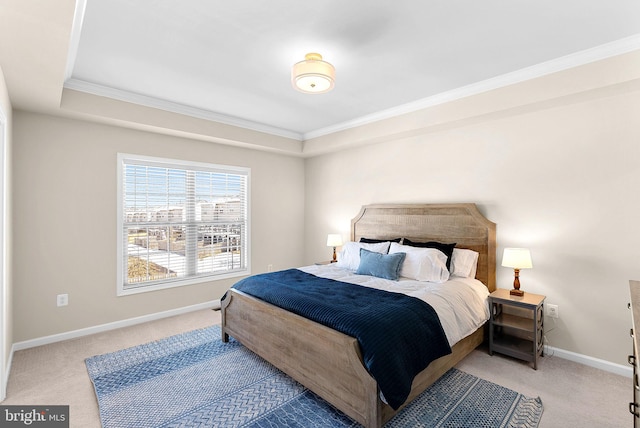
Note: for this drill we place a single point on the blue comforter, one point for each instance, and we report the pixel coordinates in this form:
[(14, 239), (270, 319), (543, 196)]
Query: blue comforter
[(399, 335)]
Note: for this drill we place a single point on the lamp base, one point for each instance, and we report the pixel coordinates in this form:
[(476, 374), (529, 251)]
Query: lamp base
[(515, 292)]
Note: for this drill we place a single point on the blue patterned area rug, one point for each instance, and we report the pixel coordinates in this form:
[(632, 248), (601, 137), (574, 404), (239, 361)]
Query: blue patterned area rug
[(196, 380)]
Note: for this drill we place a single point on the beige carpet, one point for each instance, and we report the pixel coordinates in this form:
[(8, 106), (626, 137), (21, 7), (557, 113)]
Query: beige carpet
[(573, 395)]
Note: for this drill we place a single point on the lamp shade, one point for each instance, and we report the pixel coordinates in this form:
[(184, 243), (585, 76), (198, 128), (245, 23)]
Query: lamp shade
[(517, 258), (313, 75), (334, 240)]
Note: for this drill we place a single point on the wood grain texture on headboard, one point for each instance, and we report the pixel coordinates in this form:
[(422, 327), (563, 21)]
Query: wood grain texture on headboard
[(448, 223)]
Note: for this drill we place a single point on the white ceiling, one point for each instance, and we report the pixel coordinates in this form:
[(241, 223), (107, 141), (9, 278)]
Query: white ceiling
[(230, 61)]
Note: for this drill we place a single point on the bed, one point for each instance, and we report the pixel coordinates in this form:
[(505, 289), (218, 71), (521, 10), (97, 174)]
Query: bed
[(330, 363)]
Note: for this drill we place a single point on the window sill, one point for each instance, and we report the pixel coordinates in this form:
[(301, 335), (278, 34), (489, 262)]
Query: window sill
[(180, 283)]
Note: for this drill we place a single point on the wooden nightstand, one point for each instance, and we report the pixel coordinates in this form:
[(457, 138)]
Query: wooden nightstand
[(516, 326)]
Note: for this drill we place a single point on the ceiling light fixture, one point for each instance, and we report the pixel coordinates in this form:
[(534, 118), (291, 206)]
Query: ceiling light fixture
[(313, 75)]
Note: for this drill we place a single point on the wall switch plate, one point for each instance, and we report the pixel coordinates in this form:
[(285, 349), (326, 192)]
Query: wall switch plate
[(62, 299), (552, 311)]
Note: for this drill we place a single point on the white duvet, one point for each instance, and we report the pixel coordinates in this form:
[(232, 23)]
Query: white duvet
[(461, 303)]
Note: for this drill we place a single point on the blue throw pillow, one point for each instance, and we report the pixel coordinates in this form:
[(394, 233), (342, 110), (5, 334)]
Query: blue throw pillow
[(385, 266)]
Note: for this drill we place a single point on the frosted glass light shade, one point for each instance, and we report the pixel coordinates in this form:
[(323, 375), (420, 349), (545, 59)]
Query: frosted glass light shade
[(313, 75), (517, 258)]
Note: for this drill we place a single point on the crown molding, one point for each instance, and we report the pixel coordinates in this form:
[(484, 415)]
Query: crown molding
[(74, 41), (587, 56), (144, 100), (126, 96)]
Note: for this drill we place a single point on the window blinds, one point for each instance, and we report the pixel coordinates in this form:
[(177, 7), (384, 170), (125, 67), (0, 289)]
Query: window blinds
[(181, 221)]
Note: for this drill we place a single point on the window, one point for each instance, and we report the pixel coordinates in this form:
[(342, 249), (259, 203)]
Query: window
[(180, 223)]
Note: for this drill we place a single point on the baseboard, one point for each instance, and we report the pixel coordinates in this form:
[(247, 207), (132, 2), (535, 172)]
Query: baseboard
[(18, 346), (619, 369)]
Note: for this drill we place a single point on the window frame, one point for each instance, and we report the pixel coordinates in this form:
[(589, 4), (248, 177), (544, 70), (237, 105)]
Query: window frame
[(124, 159)]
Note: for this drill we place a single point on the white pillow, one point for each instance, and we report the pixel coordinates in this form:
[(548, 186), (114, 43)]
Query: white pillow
[(349, 256), (464, 263), (422, 264)]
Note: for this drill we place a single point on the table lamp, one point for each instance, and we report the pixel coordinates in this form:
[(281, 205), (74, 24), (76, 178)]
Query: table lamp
[(334, 240), (517, 258)]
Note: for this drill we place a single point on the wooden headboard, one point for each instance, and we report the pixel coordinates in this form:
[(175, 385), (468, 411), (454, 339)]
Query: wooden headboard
[(459, 223)]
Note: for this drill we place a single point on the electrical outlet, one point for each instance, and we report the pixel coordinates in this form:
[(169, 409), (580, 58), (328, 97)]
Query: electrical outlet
[(269, 267), (63, 299), (552, 311)]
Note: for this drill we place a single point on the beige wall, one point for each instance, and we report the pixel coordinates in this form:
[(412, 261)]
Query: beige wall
[(560, 178), (65, 220), (554, 165)]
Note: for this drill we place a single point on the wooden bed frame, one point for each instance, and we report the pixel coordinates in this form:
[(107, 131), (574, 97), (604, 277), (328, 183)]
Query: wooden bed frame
[(329, 362)]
